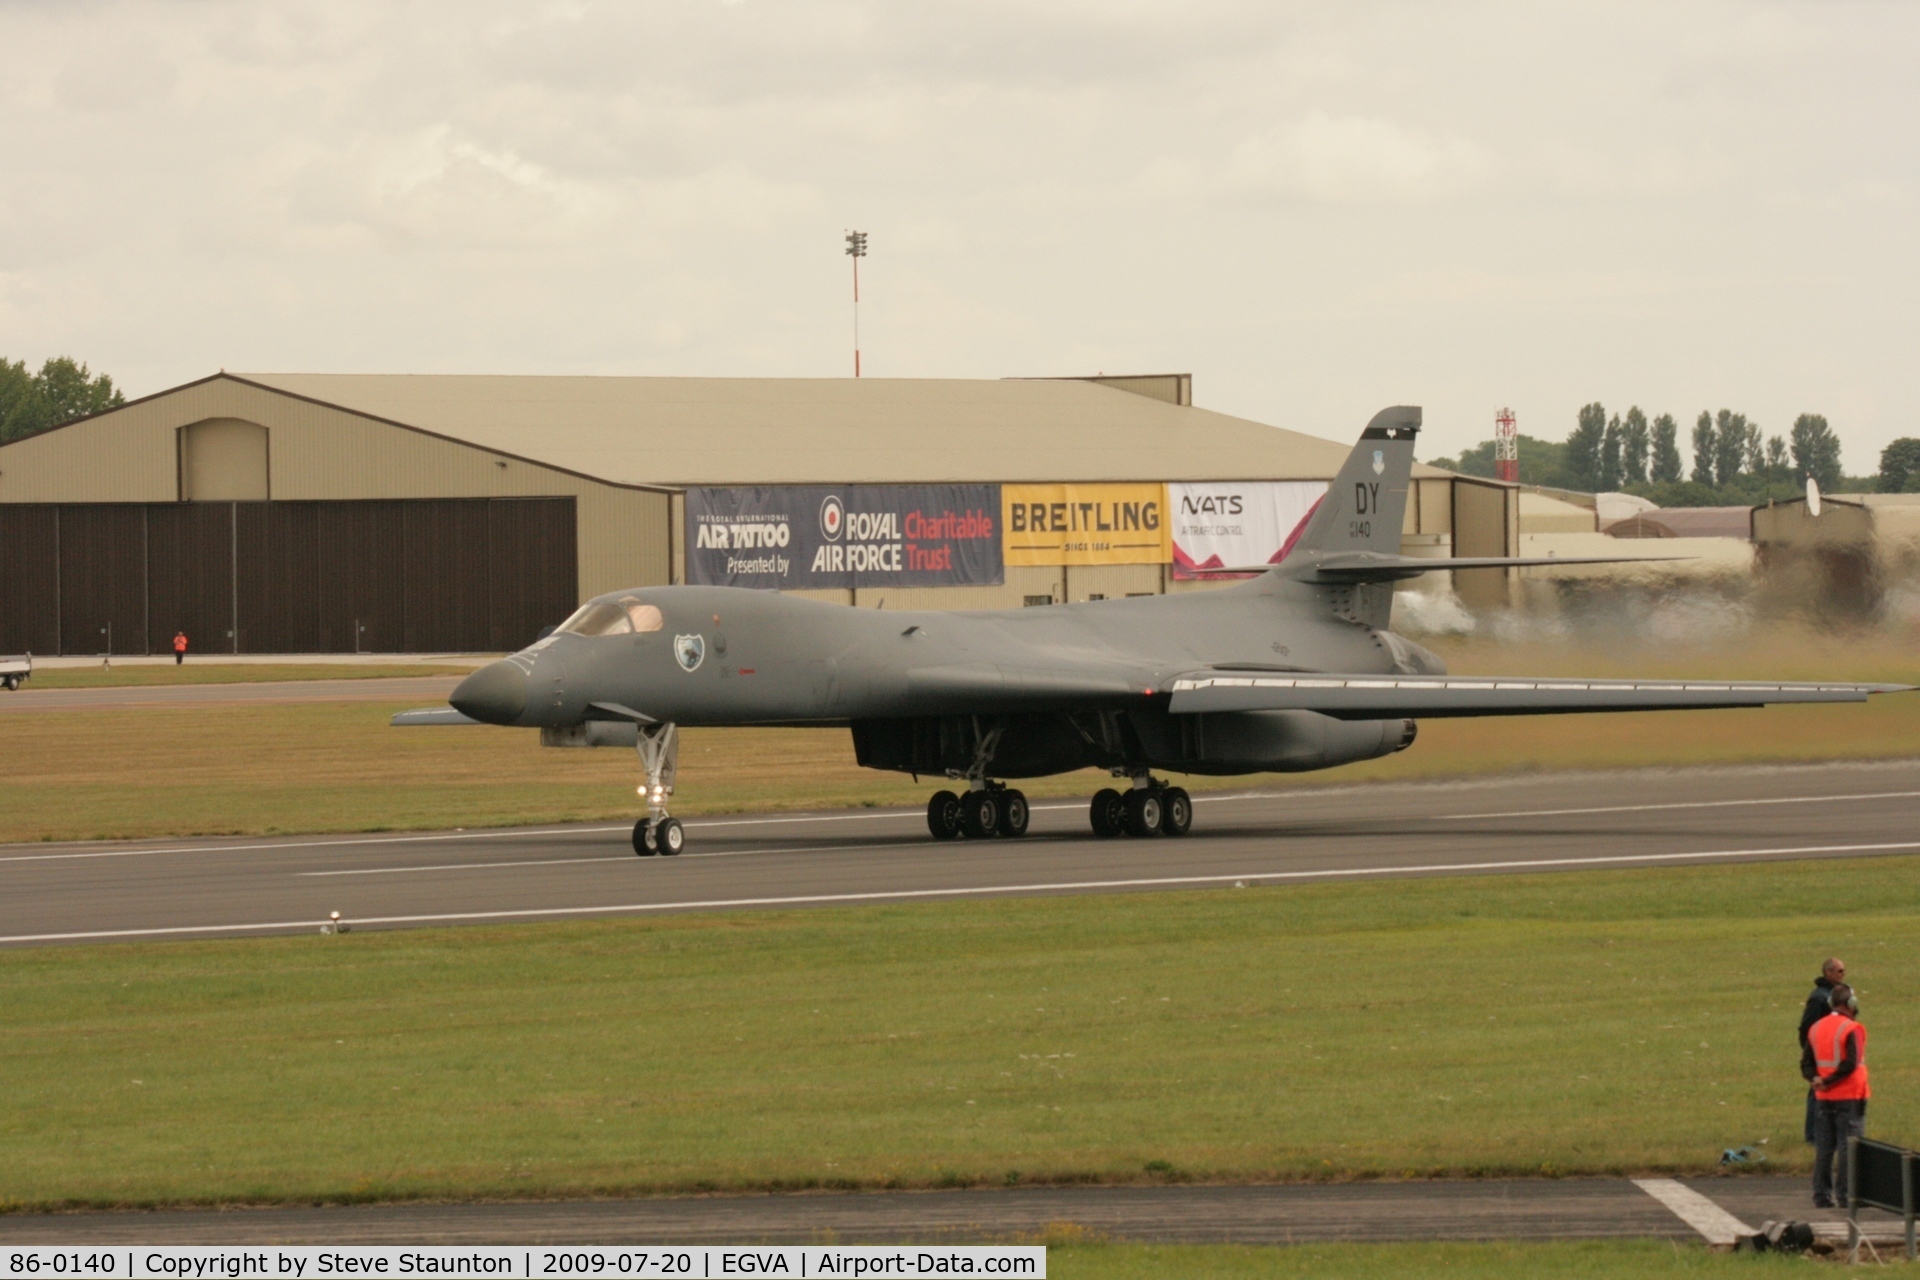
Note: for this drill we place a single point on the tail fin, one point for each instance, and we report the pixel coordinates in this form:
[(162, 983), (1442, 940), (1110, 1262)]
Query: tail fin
[(1364, 508)]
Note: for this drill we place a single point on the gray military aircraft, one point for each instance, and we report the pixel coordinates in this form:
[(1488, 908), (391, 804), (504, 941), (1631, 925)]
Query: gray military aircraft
[(1290, 671)]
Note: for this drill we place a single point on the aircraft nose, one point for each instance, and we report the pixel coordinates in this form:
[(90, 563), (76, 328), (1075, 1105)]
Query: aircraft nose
[(496, 694)]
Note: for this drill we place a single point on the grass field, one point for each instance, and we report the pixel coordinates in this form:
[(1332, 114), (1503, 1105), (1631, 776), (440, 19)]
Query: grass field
[(1585, 1260), (1581, 1023), (253, 770), (227, 673)]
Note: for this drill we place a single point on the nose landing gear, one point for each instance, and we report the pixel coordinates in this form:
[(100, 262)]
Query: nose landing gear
[(1151, 808), (657, 833)]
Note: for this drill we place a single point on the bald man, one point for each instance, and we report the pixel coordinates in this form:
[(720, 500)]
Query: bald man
[(1818, 1006)]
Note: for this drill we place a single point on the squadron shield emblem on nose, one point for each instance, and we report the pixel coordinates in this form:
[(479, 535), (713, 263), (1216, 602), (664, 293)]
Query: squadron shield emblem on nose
[(690, 651)]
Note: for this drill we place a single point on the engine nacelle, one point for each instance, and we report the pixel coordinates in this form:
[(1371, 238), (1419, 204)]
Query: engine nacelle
[(1234, 742)]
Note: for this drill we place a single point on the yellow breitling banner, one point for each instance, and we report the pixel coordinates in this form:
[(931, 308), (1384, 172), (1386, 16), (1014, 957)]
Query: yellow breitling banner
[(1049, 524)]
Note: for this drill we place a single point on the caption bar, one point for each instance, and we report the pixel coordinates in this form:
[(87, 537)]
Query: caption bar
[(680, 1262)]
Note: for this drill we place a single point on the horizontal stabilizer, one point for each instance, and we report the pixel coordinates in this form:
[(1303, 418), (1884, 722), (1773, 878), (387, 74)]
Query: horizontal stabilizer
[(433, 715), (1374, 566), (1361, 697), (1369, 566)]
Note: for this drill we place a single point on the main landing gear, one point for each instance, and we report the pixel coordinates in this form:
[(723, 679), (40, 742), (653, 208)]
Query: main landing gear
[(659, 748), (994, 809), (1151, 808), (988, 809)]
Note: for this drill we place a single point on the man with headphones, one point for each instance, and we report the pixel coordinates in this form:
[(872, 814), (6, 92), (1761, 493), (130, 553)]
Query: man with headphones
[(1835, 1064)]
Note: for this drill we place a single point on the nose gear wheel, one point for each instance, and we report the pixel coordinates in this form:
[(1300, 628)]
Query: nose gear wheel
[(659, 748)]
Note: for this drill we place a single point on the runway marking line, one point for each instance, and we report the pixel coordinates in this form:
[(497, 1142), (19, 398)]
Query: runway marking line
[(884, 895), (1703, 1215), (604, 857), (1685, 804), (512, 833)]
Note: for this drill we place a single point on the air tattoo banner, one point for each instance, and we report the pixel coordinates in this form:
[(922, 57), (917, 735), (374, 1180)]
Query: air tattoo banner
[(1238, 522), (813, 536), (1074, 524)]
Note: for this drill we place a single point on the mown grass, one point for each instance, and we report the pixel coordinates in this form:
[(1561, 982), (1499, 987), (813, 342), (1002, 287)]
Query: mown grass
[(165, 771), (1580, 1023), (228, 673), (1581, 1260)]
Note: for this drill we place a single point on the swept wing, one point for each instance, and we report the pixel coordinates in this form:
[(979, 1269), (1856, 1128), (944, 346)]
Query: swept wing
[(1368, 697)]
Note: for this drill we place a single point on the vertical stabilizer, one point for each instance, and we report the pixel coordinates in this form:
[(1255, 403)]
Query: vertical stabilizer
[(1367, 503)]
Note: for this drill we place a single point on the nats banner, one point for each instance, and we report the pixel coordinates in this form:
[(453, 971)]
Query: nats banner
[(877, 535), (1077, 524), (1238, 522)]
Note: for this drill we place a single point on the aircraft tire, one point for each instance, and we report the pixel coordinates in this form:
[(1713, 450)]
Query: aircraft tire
[(1176, 812), (1107, 813), (1014, 814), (1144, 812), (980, 814), (943, 815), (670, 837), (643, 839)]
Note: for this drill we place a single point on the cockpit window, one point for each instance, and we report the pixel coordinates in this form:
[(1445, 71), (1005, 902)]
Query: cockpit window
[(600, 618), (613, 618)]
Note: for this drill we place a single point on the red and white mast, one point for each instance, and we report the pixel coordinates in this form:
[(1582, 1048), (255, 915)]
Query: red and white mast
[(1506, 448)]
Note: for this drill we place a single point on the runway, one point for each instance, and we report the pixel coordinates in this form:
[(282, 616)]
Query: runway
[(1464, 1209), (251, 887)]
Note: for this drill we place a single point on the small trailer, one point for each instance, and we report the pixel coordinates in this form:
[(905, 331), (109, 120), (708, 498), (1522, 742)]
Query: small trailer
[(14, 671)]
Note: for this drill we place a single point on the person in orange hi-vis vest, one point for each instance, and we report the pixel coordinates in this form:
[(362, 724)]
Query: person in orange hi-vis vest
[(1835, 1063), (179, 647)]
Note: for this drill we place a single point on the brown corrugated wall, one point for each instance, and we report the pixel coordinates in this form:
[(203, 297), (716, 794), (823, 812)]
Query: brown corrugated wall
[(420, 575), (29, 580)]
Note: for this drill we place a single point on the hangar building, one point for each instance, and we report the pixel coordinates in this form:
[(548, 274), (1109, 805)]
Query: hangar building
[(289, 513)]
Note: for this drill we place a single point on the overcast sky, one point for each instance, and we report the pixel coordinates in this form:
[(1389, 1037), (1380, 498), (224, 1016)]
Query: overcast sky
[(1315, 209)]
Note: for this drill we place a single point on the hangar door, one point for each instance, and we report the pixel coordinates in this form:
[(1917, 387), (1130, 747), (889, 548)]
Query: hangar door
[(410, 576)]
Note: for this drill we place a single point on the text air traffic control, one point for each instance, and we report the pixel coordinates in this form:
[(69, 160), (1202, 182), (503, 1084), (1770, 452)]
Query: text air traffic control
[(679, 1262)]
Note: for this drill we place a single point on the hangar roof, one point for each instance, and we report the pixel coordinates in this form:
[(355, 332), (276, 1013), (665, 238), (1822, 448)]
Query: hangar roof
[(688, 431)]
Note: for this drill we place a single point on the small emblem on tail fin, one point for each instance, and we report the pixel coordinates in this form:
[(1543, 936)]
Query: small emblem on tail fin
[(1379, 461)]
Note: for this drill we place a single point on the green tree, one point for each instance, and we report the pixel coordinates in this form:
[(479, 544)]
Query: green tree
[(1584, 446), (16, 389), (63, 390), (1816, 450), (1706, 443), (1610, 446), (1665, 465), (1900, 466), (1729, 447), (1542, 462), (1633, 446)]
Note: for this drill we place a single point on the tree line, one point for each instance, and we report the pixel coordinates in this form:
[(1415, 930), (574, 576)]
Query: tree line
[(1732, 460), (63, 389)]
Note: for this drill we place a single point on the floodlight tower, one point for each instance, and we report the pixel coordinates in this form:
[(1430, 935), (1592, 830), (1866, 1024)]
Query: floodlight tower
[(1506, 448), (856, 249)]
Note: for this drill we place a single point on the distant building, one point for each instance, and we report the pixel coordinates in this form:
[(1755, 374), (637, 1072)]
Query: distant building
[(285, 513)]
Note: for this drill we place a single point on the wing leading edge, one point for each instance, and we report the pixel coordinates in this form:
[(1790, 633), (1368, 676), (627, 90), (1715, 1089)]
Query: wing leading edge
[(1360, 697)]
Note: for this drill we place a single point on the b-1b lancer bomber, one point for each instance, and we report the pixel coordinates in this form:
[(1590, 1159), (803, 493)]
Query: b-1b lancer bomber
[(1289, 671)]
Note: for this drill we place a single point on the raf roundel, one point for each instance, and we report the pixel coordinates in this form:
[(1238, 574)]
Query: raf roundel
[(833, 518), (689, 651)]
